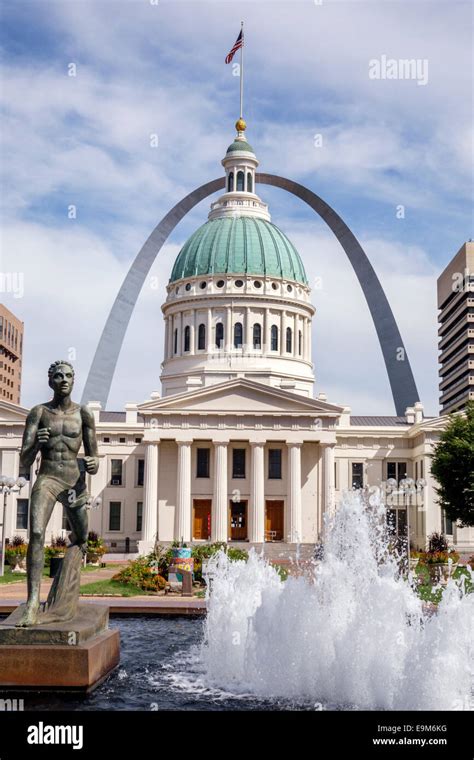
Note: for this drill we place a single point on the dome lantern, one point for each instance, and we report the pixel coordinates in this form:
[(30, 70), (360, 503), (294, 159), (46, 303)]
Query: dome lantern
[(240, 164)]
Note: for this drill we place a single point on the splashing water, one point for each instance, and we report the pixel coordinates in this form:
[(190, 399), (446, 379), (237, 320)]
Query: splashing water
[(350, 633)]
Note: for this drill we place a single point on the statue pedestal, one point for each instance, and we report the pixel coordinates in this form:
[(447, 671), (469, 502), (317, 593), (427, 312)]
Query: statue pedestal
[(76, 654)]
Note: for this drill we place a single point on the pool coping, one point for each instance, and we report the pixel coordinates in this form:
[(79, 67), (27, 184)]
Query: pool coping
[(132, 605)]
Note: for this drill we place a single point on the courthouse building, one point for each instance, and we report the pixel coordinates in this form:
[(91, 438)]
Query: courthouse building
[(236, 447)]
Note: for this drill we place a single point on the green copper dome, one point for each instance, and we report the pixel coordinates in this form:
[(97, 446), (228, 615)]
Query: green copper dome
[(239, 245), (239, 145)]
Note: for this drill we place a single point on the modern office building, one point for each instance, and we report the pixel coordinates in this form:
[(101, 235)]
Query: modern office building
[(456, 330), (11, 351)]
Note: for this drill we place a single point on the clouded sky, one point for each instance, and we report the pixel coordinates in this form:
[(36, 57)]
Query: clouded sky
[(147, 68)]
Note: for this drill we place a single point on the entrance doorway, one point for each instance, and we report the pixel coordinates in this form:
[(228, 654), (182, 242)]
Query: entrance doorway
[(238, 520), (201, 519), (273, 520)]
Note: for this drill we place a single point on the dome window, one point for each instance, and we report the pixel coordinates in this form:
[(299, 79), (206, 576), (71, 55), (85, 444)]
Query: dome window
[(257, 284), (239, 284), (240, 181), (188, 286), (203, 285), (219, 335), (257, 336), (238, 335), (230, 184), (176, 291), (220, 284), (274, 338), (187, 338), (249, 182), (274, 286), (289, 340), (201, 337), (289, 288)]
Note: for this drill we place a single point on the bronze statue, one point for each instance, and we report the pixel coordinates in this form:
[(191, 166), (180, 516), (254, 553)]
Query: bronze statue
[(57, 429)]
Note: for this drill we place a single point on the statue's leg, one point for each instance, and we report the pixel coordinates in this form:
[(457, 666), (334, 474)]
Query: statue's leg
[(78, 520), (42, 503), (75, 501)]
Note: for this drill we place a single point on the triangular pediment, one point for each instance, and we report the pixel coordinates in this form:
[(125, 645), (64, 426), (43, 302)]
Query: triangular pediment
[(241, 396), (12, 412)]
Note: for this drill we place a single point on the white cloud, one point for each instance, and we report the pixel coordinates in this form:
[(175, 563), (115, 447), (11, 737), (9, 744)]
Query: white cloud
[(144, 69)]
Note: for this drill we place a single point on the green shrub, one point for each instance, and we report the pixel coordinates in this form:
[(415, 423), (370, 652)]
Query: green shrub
[(141, 575)]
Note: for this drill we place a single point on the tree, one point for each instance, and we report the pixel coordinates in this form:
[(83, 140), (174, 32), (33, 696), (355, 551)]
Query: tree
[(453, 467)]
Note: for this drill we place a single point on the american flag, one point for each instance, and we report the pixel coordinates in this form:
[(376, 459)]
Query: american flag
[(237, 44)]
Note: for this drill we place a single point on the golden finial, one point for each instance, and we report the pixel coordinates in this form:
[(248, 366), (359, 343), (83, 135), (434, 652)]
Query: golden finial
[(240, 125)]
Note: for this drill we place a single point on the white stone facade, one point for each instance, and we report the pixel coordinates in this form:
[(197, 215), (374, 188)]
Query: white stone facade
[(319, 443)]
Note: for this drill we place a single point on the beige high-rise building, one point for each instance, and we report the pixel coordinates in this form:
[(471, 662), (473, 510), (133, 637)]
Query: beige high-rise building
[(11, 352), (456, 330)]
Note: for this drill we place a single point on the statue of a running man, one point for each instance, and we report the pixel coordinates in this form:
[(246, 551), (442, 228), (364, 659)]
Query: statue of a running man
[(57, 429)]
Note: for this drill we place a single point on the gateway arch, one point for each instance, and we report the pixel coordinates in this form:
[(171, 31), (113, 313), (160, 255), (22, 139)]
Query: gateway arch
[(105, 359)]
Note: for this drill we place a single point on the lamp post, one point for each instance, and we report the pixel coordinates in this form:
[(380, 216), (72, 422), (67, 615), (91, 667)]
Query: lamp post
[(7, 486)]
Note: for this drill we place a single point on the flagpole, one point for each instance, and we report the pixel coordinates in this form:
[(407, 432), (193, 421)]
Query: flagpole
[(242, 71)]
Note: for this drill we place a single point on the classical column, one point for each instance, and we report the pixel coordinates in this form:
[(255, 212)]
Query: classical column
[(329, 503), (296, 324), (265, 329), (192, 332), (167, 338), (170, 336), (257, 494), (310, 324), (294, 521), (228, 330), (248, 331), (282, 346), (219, 514), (150, 495), (178, 322), (183, 495), (209, 336)]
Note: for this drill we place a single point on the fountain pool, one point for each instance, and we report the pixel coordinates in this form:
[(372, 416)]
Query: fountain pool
[(349, 633)]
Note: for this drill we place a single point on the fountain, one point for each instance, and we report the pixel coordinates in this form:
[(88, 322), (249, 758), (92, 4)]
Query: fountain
[(352, 633)]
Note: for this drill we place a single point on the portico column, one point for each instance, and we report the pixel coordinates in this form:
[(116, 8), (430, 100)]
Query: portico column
[(219, 514), (329, 504), (295, 335), (257, 494), (183, 500), (294, 521), (150, 501)]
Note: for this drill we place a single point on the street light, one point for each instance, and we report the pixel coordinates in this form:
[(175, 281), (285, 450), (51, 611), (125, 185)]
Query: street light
[(8, 485)]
